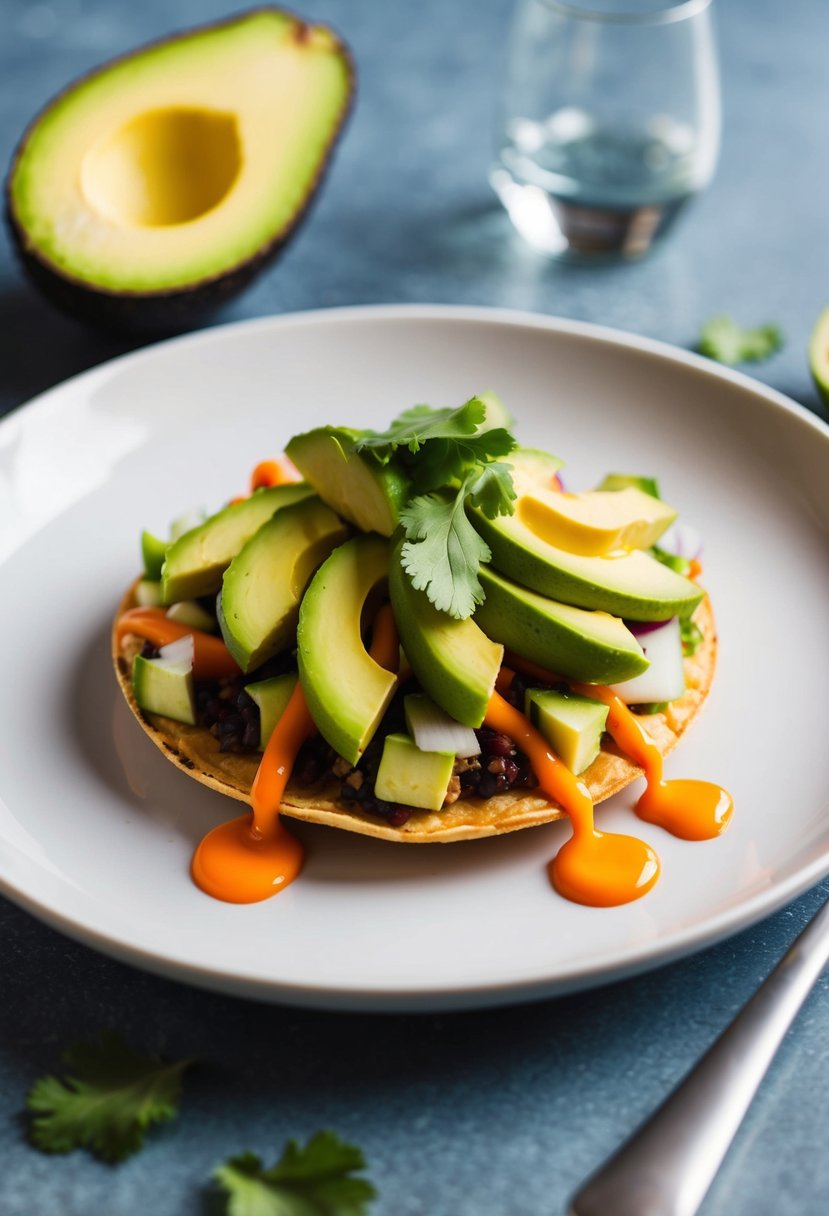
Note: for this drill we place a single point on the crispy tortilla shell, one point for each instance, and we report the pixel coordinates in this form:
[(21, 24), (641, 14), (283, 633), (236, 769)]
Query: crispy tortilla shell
[(196, 752)]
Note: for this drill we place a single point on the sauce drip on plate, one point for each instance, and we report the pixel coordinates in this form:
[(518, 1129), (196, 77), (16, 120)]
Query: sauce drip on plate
[(601, 869), (250, 858), (691, 810)]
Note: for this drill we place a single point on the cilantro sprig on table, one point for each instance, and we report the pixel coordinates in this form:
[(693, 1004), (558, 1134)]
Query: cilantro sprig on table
[(107, 1100), (727, 342), (314, 1180), (451, 462)]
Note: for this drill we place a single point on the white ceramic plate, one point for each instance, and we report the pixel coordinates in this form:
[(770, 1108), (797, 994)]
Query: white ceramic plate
[(96, 829)]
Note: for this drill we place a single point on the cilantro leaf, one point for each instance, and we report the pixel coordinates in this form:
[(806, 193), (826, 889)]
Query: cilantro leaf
[(417, 425), (727, 342), (446, 451), (108, 1099), (443, 552), (311, 1181)]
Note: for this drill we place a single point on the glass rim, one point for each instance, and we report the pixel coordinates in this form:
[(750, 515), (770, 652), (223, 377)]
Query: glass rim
[(665, 14)]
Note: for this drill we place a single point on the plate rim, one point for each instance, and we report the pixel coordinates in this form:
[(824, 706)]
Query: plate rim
[(398, 998)]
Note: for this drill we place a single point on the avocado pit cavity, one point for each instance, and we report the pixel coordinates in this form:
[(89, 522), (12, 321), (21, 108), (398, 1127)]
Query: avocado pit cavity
[(164, 167)]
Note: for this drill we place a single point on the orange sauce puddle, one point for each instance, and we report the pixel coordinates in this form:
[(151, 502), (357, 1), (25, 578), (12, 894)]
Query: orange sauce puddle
[(250, 858), (601, 869), (691, 810), (254, 856)]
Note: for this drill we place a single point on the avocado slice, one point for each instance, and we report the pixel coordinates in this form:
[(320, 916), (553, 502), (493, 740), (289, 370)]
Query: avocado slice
[(455, 661), (356, 485), (598, 522), (153, 549), (573, 642), (415, 778), (194, 564), (573, 725), (621, 481), (258, 607), (347, 692), (152, 189), (633, 585)]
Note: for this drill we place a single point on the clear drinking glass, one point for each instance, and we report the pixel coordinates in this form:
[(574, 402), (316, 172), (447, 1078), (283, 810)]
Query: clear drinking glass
[(610, 121)]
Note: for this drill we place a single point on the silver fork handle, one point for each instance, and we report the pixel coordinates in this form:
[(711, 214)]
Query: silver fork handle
[(667, 1166)]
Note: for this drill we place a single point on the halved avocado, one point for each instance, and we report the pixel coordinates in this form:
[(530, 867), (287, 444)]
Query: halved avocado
[(156, 187)]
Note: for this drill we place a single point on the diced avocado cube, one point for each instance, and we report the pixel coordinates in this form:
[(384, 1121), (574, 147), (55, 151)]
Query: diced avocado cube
[(271, 696), (153, 549), (191, 613), (571, 724), (164, 688), (148, 593), (415, 778), (622, 481)]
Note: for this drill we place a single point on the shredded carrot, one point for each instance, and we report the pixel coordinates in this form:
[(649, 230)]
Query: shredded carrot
[(696, 569), (211, 658), (293, 728), (385, 643), (274, 473), (238, 498)]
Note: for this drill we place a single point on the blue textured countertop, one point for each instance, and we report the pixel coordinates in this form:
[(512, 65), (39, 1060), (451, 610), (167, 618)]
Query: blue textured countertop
[(496, 1113)]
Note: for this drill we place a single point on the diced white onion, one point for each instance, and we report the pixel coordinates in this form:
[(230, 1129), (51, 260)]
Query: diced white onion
[(681, 540), (178, 654), (664, 680), (434, 731), (191, 613)]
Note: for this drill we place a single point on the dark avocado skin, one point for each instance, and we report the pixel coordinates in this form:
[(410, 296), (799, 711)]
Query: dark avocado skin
[(176, 309)]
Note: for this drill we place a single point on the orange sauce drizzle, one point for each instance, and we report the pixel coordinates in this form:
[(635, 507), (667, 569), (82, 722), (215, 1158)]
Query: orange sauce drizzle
[(602, 869), (691, 810), (211, 658), (251, 858)]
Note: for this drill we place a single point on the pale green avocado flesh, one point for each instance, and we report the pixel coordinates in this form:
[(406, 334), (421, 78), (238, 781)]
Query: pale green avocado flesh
[(162, 689), (571, 724), (454, 661), (415, 778), (262, 587), (572, 642), (346, 690), (355, 485), (194, 564)]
